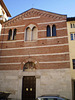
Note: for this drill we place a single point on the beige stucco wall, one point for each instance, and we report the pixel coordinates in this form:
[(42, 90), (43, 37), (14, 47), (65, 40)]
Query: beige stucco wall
[(53, 81), (71, 47)]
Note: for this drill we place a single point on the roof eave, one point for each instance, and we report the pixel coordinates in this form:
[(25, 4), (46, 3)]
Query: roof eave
[(5, 8), (71, 19)]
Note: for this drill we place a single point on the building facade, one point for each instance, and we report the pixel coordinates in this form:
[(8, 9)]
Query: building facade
[(34, 55), (71, 37)]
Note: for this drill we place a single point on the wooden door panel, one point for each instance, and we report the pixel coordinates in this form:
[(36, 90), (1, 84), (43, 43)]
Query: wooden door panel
[(29, 88)]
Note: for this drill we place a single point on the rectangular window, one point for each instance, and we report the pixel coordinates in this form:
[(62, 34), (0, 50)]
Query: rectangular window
[(72, 36), (73, 61), (72, 25)]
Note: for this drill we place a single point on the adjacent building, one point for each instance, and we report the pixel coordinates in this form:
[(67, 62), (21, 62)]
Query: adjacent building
[(71, 38), (4, 14), (34, 55)]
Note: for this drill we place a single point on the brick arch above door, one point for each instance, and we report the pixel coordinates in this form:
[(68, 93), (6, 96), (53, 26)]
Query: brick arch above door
[(29, 59)]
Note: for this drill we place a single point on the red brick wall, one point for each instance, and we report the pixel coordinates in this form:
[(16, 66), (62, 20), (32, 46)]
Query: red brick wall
[(54, 43)]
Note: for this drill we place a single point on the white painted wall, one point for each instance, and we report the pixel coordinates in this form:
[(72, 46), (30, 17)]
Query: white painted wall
[(3, 15)]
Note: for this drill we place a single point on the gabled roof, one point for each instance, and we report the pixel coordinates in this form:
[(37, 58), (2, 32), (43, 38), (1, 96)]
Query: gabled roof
[(5, 8), (33, 12), (48, 12)]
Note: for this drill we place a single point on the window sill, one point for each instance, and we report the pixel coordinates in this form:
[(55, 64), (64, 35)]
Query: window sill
[(72, 40), (12, 40), (31, 41)]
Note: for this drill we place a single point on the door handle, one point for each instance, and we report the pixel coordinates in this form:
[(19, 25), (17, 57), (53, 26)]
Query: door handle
[(31, 89), (26, 89)]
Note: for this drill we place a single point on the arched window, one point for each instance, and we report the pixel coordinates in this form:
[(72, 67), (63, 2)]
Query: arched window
[(53, 30), (14, 34), (10, 35), (48, 31), (28, 34), (31, 33), (29, 65), (34, 33)]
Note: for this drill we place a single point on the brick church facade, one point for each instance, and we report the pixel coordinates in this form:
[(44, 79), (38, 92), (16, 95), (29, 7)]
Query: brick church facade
[(34, 55)]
